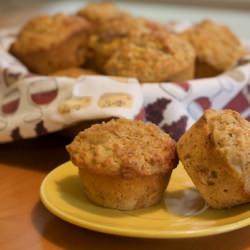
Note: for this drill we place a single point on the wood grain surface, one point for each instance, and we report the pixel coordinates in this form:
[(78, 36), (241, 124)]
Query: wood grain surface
[(26, 224)]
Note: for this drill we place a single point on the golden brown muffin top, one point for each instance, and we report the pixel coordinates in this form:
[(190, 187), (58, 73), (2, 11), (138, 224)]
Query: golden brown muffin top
[(155, 56), (123, 147), (214, 44), (100, 12), (133, 45), (44, 32), (230, 134), (74, 72)]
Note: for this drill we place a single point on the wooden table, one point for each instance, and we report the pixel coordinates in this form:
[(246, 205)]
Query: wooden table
[(26, 224)]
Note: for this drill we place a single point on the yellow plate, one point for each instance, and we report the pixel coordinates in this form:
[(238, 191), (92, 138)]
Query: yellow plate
[(61, 192)]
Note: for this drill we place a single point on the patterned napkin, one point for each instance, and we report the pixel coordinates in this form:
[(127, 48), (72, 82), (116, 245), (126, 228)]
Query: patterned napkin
[(33, 105), (175, 107)]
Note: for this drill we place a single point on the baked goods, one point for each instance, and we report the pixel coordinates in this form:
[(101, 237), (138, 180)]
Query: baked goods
[(74, 72), (49, 43), (98, 13), (154, 57), (215, 152), (124, 164), (136, 47), (113, 42), (112, 35), (216, 47)]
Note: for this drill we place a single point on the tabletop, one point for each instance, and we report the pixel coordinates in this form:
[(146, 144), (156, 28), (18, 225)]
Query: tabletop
[(26, 224)]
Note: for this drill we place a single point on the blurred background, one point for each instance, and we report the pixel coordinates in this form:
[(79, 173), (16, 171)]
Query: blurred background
[(235, 13)]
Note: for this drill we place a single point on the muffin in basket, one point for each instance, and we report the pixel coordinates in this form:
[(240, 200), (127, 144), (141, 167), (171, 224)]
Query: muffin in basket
[(216, 47), (97, 13), (154, 57), (215, 152), (50, 43), (111, 35), (136, 47), (124, 164), (101, 13)]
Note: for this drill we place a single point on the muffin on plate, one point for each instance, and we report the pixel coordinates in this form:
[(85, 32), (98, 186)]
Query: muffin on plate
[(49, 43), (124, 164), (215, 152), (216, 46), (74, 72), (154, 57)]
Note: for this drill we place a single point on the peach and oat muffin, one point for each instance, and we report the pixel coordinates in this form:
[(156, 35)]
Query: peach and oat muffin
[(154, 57), (216, 47), (112, 35), (215, 152), (137, 47), (97, 13), (124, 164), (49, 43), (74, 72)]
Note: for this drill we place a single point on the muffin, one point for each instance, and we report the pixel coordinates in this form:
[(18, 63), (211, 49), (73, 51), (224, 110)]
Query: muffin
[(216, 47), (154, 57), (97, 13), (50, 43), (215, 152), (112, 35), (124, 164), (74, 72), (137, 47)]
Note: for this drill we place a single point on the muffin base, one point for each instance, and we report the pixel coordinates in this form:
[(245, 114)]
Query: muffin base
[(124, 193), (204, 70)]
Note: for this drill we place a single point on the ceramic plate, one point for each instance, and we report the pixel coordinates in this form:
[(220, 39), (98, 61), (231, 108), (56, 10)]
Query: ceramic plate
[(181, 214)]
